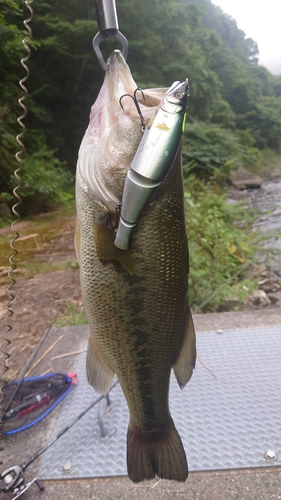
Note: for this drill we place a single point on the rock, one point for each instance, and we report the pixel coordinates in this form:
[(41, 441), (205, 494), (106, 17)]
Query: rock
[(269, 284), (267, 281), (258, 299), (230, 305), (241, 179), (273, 299), (275, 174)]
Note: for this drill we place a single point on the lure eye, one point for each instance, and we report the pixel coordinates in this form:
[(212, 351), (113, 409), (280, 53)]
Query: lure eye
[(179, 95)]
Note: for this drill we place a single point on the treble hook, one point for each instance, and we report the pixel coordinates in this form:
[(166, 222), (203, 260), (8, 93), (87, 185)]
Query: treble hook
[(134, 97)]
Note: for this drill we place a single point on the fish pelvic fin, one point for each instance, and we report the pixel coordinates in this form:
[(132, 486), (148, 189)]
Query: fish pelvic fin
[(99, 374), (124, 257), (185, 363), (156, 454)]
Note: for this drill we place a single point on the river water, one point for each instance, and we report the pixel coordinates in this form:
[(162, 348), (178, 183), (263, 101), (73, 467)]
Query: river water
[(266, 203)]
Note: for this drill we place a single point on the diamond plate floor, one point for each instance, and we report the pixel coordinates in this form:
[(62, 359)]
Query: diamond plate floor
[(228, 415)]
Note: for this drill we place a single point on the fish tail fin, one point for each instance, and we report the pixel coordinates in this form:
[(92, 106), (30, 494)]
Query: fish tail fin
[(111, 252), (160, 454)]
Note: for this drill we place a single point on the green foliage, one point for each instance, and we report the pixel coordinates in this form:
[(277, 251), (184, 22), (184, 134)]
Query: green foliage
[(269, 162), (264, 121), (209, 149), (234, 104), (34, 267), (10, 54), (46, 183), (73, 264), (73, 316), (65, 76), (234, 38), (219, 247)]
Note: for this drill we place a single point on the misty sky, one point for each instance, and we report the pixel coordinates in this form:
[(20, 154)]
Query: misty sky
[(262, 22)]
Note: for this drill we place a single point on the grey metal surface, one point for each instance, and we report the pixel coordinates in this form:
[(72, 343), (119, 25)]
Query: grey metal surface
[(229, 414)]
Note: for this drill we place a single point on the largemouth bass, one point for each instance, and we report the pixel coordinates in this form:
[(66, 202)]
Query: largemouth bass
[(140, 323)]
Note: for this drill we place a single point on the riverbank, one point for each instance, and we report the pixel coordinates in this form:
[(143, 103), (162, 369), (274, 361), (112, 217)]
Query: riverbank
[(47, 278), (265, 202)]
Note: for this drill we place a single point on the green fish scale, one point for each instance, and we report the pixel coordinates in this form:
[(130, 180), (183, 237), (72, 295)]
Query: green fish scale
[(138, 321)]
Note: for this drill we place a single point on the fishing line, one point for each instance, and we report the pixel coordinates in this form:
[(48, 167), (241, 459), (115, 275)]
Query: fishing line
[(10, 286)]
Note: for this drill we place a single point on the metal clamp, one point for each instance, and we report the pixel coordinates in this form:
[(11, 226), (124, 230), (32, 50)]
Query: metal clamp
[(108, 27)]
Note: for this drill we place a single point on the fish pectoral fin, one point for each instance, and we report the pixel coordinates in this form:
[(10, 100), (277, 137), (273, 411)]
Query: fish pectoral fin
[(125, 258), (156, 453), (99, 374), (185, 363)]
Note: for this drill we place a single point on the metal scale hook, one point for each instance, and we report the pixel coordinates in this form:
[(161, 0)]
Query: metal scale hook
[(108, 27)]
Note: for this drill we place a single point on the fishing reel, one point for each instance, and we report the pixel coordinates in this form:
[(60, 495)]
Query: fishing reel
[(12, 481)]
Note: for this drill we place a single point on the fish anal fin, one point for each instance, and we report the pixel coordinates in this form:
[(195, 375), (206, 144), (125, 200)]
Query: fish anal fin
[(99, 374), (156, 454), (185, 362)]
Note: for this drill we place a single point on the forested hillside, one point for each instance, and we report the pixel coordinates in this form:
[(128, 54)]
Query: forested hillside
[(234, 107)]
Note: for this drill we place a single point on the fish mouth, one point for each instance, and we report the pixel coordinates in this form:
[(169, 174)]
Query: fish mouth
[(118, 81), (121, 83), (119, 77), (116, 57), (114, 131)]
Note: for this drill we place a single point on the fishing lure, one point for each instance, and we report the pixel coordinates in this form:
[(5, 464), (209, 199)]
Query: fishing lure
[(154, 156)]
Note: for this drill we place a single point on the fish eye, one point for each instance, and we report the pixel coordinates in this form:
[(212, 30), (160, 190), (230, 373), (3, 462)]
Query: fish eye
[(179, 95)]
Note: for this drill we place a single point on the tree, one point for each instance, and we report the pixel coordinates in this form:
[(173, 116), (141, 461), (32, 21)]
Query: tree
[(168, 40), (10, 54)]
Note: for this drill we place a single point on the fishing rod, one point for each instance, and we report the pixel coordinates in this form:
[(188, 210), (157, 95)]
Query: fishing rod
[(12, 480)]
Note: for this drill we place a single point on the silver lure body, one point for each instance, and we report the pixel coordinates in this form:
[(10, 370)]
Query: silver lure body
[(154, 156)]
